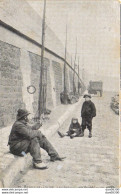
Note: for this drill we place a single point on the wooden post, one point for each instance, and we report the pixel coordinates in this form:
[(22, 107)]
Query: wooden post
[(65, 88), (41, 97), (71, 61), (74, 69), (78, 75)]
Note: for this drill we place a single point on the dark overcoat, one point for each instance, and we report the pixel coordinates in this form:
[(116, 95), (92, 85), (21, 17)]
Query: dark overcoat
[(88, 109), (20, 137)]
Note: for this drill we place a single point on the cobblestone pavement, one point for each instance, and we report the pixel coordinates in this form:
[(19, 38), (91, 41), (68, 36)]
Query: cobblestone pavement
[(90, 162)]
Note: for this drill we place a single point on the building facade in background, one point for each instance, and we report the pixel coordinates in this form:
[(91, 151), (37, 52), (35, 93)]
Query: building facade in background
[(20, 61)]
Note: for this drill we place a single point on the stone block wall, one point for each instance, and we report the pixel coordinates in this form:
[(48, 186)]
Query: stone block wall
[(20, 68), (10, 83), (35, 79), (49, 99), (58, 80), (71, 80)]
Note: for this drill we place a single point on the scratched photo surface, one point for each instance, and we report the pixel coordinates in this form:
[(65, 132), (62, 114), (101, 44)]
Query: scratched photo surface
[(60, 61)]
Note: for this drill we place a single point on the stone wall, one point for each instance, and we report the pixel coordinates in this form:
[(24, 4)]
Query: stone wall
[(10, 83), (20, 61), (35, 79), (20, 64), (19, 69), (58, 80)]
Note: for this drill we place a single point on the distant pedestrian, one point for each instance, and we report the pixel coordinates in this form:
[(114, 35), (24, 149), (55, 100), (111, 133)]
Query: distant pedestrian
[(88, 111), (74, 129)]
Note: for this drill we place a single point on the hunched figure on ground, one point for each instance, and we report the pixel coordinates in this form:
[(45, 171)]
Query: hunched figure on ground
[(26, 138), (74, 129), (88, 111)]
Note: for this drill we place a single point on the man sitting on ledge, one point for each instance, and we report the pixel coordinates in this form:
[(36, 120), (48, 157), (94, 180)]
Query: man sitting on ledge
[(25, 138)]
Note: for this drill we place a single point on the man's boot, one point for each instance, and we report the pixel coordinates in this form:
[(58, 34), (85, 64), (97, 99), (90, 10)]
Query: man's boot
[(71, 136), (53, 159), (82, 133), (40, 165), (90, 134), (61, 134)]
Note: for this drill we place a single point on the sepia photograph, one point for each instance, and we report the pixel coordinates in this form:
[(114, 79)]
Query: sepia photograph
[(59, 94)]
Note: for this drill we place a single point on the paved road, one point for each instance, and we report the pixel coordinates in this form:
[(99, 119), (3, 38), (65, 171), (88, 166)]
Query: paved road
[(90, 162)]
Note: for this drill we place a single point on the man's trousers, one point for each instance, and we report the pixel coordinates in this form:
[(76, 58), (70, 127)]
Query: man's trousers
[(33, 147), (86, 122)]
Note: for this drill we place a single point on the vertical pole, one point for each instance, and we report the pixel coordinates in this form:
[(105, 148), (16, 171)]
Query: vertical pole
[(71, 61), (41, 97), (74, 69), (78, 75), (65, 89)]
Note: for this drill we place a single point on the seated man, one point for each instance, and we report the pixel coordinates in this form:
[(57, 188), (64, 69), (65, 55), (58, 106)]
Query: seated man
[(74, 129), (24, 138)]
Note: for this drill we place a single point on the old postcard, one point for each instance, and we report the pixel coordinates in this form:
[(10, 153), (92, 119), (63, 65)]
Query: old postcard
[(59, 94)]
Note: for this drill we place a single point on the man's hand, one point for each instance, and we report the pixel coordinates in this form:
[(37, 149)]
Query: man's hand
[(38, 125)]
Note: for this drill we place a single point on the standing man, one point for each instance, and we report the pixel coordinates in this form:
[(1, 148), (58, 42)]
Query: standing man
[(25, 138), (87, 113)]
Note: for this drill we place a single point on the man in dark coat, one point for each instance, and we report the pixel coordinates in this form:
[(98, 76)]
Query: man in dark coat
[(88, 111), (25, 138), (74, 129)]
